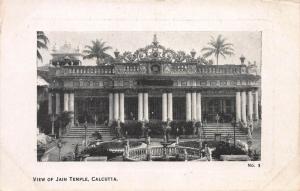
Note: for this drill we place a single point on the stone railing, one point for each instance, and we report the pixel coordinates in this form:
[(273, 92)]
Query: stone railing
[(145, 68), (140, 154), (82, 70), (137, 153)]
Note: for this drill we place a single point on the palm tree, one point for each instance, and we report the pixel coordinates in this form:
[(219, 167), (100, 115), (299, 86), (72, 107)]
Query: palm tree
[(42, 43), (97, 50), (218, 47)]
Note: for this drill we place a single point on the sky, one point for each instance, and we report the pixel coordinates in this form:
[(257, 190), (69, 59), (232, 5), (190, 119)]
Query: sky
[(244, 43)]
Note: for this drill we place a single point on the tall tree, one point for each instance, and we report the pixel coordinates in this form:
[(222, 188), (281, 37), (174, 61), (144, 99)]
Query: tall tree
[(97, 50), (218, 47), (42, 43)]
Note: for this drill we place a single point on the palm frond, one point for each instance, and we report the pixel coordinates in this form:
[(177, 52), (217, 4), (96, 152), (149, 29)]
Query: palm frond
[(42, 37), (218, 46), (207, 54), (39, 56), (41, 45), (207, 49)]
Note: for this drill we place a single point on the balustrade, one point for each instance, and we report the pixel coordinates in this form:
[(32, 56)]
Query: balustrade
[(180, 68), (83, 70), (141, 153)]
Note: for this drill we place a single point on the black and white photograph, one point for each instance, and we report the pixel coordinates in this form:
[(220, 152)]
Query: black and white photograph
[(149, 96)]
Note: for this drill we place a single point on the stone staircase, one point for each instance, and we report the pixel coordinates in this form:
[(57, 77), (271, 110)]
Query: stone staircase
[(79, 132), (224, 129)]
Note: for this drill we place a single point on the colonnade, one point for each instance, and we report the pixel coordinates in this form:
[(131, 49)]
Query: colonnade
[(116, 107), (193, 106), (244, 106), (68, 104), (167, 106)]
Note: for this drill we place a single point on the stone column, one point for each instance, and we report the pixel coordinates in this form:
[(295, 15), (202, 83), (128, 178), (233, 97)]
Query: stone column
[(164, 107), (57, 103), (170, 106), (198, 107), (50, 103), (111, 106), (122, 117), (238, 106), (250, 105), (188, 106), (71, 107), (140, 107), (194, 106), (146, 112), (116, 106), (224, 106), (256, 105), (66, 102), (244, 114)]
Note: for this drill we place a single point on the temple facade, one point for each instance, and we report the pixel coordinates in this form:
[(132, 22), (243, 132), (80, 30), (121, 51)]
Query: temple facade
[(152, 83)]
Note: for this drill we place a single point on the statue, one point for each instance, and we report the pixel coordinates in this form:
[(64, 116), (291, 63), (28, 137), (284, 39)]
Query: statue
[(194, 126), (118, 128), (143, 128), (168, 129)]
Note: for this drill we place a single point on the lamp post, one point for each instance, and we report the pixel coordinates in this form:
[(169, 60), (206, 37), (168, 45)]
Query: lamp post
[(96, 121), (53, 118), (85, 133), (234, 124), (59, 145)]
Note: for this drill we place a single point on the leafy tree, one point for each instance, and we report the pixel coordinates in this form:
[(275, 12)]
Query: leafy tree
[(218, 47), (62, 120), (97, 50), (42, 43)]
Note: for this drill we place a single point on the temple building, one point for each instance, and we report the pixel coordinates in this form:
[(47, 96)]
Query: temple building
[(152, 83)]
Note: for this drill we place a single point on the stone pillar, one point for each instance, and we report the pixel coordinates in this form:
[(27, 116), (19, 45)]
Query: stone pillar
[(122, 116), (111, 106), (238, 106), (57, 103), (140, 107), (71, 102), (224, 106), (50, 103), (198, 107), (250, 105), (116, 106), (244, 114), (256, 105), (188, 106), (146, 112), (66, 102), (164, 107), (71, 106), (194, 106), (170, 106)]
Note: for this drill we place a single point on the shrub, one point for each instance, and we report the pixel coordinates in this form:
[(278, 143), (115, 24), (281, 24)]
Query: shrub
[(156, 128), (43, 119), (133, 128)]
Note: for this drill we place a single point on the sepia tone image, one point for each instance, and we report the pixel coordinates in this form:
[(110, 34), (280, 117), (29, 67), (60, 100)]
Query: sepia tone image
[(149, 96)]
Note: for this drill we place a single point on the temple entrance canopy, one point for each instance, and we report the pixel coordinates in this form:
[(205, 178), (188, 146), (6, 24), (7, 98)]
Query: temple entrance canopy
[(155, 83)]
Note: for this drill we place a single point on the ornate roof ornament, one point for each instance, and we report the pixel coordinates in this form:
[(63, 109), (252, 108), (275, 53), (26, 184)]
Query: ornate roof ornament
[(157, 52)]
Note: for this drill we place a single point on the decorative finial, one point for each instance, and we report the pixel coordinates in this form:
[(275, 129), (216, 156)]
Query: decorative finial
[(116, 52), (242, 58), (193, 53), (155, 42)]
